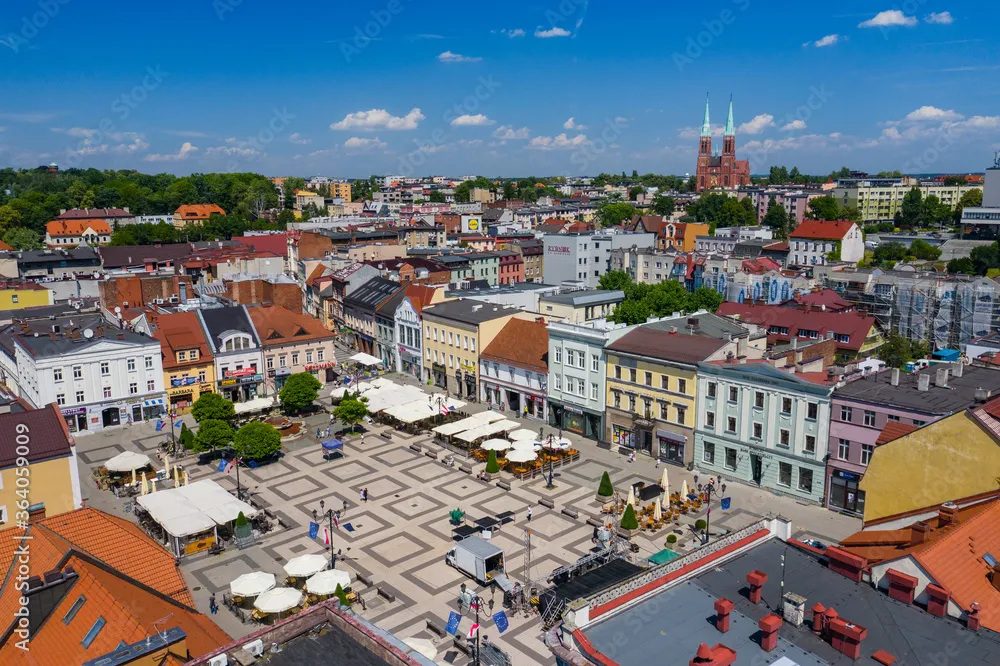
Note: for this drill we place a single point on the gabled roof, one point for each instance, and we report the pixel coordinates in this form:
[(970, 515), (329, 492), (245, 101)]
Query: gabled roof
[(420, 295), (198, 211), (124, 256), (823, 298), (181, 331), (822, 230), (893, 430), (73, 228), (94, 213), (276, 243), (668, 346), (852, 324), (521, 343), (50, 437), (372, 293), (277, 325), (220, 321)]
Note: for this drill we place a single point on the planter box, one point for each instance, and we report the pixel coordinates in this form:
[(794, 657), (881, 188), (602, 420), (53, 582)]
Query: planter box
[(628, 534), (605, 499)]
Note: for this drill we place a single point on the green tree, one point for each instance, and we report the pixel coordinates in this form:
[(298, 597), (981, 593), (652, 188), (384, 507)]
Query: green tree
[(750, 210), (824, 208), (292, 185), (351, 411), (934, 212), (257, 440), (22, 239), (776, 218), (241, 520), (492, 467), (971, 199), (186, 437), (985, 257), (436, 196), (300, 391), (629, 521), (605, 489), (704, 298), (213, 434), (212, 406), (630, 312), (954, 180), (613, 214), (9, 217), (923, 250), (614, 281), (897, 351), (963, 265), (341, 596), (888, 254), (912, 209), (663, 204)]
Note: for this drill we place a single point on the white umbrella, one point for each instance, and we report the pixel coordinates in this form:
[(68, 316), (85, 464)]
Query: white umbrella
[(305, 565), (523, 433), (684, 490), (152, 485), (127, 461), (657, 511), (326, 581), (166, 463), (631, 496), (664, 481), (278, 600), (423, 646), (252, 584), (495, 445), (519, 455), (133, 476), (556, 444), (145, 486)]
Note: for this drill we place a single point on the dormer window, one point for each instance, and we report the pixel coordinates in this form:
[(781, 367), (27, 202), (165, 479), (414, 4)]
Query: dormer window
[(237, 343)]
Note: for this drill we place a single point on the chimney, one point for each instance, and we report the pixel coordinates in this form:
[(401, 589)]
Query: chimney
[(756, 580), (769, 625), (723, 607), (846, 637), (972, 618), (937, 600), (918, 533), (894, 377), (902, 587), (947, 514), (981, 394), (846, 564), (923, 382), (818, 618), (941, 378)]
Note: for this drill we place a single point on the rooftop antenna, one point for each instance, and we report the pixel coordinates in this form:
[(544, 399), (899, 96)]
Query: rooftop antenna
[(163, 634)]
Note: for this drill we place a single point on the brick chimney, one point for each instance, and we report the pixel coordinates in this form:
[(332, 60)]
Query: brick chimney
[(817, 625), (947, 514), (723, 607), (756, 580), (846, 637), (720, 655), (972, 618), (769, 625), (901, 586), (846, 564), (937, 600), (828, 616), (918, 533)]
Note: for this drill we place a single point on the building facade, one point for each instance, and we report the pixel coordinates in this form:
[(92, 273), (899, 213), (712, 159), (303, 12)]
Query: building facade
[(720, 170), (580, 307), (514, 369), (583, 258), (762, 426), (236, 351), (819, 242), (292, 343), (188, 366)]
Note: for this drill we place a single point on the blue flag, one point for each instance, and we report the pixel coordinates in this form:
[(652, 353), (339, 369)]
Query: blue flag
[(223, 463), (726, 501), (453, 620), (159, 425), (500, 620), (178, 424), (313, 529)]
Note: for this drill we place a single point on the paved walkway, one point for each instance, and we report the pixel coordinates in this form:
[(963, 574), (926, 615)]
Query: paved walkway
[(399, 537)]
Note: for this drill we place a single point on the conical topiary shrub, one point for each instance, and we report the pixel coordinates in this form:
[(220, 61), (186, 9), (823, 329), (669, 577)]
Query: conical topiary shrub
[(341, 595), (629, 521), (241, 520), (491, 463), (605, 489)]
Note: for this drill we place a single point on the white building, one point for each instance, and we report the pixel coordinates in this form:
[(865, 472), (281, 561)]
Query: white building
[(820, 242), (236, 347), (585, 257), (410, 357), (99, 376)]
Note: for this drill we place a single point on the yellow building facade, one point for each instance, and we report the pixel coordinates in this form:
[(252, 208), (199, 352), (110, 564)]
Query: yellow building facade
[(185, 386), (20, 296)]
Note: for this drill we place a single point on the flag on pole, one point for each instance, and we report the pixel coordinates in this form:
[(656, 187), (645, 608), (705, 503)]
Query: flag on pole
[(326, 536), (444, 409), (473, 630), (159, 425), (313, 529), (236, 461), (336, 521)]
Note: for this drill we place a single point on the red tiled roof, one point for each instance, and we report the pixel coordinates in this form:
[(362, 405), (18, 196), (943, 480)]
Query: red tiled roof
[(420, 295), (276, 243), (198, 211), (73, 228), (822, 230), (4, 247), (853, 324), (49, 436), (521, 343), (94, 213), (824, 297), (280, 326), (181, 331), (893, 430)]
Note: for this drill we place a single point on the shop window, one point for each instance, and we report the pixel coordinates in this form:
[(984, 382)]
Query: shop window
[(730, 458), (709, 455), (785, 475), (805, 480)]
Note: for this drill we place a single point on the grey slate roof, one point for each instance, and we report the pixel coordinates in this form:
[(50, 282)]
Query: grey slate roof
[(369, 295), (65, 343), (708, 325), (468, 311), (959, 394), (220, 321), (585, 297)]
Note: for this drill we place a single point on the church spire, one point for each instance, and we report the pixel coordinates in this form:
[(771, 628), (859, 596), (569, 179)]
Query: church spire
[(730, 128), (706, 127)]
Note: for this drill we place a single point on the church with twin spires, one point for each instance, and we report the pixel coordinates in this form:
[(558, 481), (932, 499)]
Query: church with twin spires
[(720, 170)]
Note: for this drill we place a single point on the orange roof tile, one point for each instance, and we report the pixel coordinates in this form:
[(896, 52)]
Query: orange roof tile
[(73, 228), (4, 247), (198, 211), (280, 326), (522, 343), (822, 230), (420, 295), (894, 430), (181, 331)]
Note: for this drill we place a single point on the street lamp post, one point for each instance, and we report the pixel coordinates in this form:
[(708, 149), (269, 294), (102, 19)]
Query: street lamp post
[(328, 514), (709, 491), (173, 442), (478, 602), (550, 485)]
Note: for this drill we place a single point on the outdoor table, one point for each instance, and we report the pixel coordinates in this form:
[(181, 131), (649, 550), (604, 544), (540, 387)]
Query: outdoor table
[(649, 492)]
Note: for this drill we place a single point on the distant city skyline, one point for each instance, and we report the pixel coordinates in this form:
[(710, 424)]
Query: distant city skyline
[(563, 88)]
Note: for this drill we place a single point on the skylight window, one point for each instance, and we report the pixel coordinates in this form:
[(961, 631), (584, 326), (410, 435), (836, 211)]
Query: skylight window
[(74, 609), (92, 634)]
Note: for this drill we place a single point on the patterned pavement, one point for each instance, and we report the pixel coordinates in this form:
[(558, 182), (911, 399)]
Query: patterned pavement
[(400, 536)]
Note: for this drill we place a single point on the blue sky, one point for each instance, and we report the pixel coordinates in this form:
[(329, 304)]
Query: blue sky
[(546, 88)]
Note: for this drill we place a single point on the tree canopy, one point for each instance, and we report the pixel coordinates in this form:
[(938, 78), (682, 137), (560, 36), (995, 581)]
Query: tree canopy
[(257, 440), (351, 411), (720, 210), (613, 214), (212, 406), (213, 434), (655, 300), (897, 350), (299, 391)]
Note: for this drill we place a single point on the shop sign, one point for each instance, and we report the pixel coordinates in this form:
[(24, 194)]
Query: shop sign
[(227, 382), (73, 411), (242, 372), (179, 391), (183, 381), (573, 410), (839, 473), (322, 365)]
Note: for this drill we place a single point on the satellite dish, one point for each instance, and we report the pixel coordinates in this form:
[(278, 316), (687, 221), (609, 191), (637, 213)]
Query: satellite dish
[(118, 309), (87, 333)]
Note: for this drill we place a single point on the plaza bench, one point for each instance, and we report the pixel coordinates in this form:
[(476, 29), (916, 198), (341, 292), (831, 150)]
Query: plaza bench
[(367, 580), (415, 447), (462, 646), (385, 435), (431, 454), (596, 522), (386, 594), (572, 513), (283, 520), (546, 502), (435, 628), (465, 468), (503, 485)]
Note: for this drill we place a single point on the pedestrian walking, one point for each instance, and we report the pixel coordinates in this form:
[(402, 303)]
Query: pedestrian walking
[(529, 514), (345, 506), (212, 606)]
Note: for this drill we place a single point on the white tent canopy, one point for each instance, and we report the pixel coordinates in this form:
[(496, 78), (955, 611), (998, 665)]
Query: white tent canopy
[(194, 508), (252, 584), (326, 582), (306, 565), (495, 445), (278, 600), (523, 433), (385, 397), (365, 359), (521, 455), (255, 405), (486, 430), (422, 646), (127, 461)]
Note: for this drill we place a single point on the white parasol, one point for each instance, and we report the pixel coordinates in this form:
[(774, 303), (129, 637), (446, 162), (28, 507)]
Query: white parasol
[(252, 584), (526, 445), (631, 496), (523, 433), (127, 461), (306, 565), (556, 444), (657, 511), (152, 485), (278, 600), (521, 455), (133, 476), (145, 485), (326, 581), (665, 482), (423, 646), (166, 464), (177, 477), (495, 445), (684, 490)]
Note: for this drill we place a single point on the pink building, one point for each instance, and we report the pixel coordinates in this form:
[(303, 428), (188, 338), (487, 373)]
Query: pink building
[(511, 267)]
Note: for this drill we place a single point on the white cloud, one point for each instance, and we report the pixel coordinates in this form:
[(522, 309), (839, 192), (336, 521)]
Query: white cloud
[(187, 134), (829, 40), (478, 120), (889, 18), (558, 142), (695, 132), (505, 133), (801, 142), (571, 124), (932, 113), (794, 126), (448, 56), (186, 150), (470, 142), (982, 122), (553, 32), (757, 124), (93, 141), (379, 119), (242, 150), (428, 36), (433, 148), (940, 18), (358, 143), (136, 145), (299, 139), (892, 133), (516, 32)]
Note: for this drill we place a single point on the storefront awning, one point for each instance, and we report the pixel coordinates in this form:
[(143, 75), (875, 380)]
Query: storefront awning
[(152, 403)]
